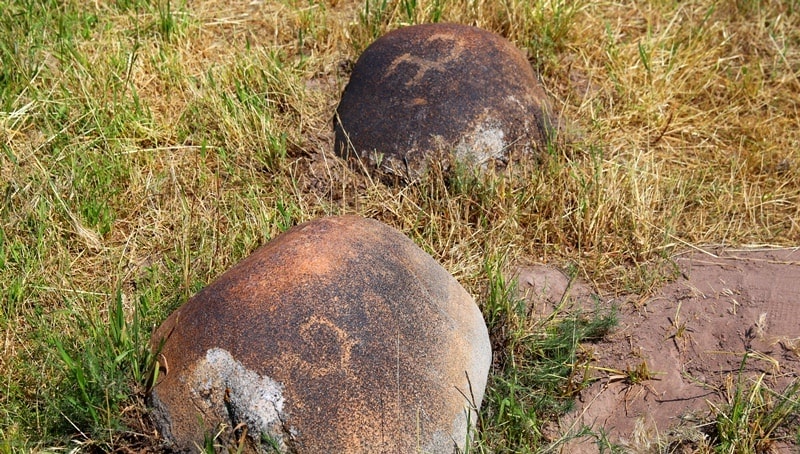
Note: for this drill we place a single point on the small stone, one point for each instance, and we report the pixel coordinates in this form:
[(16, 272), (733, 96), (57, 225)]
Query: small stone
[(340, 335), (440, 92)]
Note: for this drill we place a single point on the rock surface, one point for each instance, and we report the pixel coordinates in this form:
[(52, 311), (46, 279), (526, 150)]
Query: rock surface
[(340, 335), (440, 91)]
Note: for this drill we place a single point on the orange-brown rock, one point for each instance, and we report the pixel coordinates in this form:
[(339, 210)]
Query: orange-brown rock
[(440, 91), (340, 335)]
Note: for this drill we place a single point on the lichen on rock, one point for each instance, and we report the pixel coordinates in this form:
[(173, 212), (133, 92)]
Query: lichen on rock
[(220, 384)]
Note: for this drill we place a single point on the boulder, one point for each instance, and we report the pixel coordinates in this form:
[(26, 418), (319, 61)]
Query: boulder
[(440, 92), (340, 335)]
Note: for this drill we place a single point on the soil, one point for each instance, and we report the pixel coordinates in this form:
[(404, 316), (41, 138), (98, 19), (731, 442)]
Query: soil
[(677, 355)]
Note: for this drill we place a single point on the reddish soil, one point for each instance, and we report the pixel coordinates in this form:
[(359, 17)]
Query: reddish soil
[(675, 355)]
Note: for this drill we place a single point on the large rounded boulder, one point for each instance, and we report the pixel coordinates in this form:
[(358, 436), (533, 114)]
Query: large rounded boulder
[(340, 335), (440, 92)]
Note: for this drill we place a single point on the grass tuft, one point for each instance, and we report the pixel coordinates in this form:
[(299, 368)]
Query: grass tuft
[(755, 418), (110, 362), (540, 365)]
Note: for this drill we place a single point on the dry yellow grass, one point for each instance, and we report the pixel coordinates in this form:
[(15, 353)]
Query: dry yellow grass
[(152, 145)]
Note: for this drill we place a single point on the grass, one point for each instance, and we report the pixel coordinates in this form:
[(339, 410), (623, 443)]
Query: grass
[(147, 146), (542, 365), (755, 417)]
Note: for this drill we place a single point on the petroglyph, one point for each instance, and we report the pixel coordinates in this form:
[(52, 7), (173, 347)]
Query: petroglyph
[(330, 344), (424, 64)]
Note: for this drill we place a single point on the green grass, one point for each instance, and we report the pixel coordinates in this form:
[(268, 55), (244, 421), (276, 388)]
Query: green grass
[(542, 365), (147, 146), (111, 355), (755, 417)]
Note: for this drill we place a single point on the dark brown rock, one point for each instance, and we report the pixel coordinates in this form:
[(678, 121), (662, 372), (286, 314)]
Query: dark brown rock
[(440, 91), (341, 335)]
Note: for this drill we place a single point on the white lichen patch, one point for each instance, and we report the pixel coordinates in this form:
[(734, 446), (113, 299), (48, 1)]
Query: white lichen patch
[(224, 387), (486, 143)]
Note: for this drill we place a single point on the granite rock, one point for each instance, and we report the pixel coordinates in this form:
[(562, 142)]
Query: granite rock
[(443, 92), (340, 335)]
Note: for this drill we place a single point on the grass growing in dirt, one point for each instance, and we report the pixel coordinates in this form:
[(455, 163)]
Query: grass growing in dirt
[(147, 146), (541, 365), (755, 416)]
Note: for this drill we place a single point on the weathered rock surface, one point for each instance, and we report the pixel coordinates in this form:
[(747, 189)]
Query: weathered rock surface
[(340, 335), (440, 91)]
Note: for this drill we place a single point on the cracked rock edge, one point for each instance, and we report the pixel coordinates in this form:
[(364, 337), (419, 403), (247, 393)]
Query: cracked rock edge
[(222, 389)]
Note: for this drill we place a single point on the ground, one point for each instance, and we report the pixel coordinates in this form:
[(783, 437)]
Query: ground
[(676, 356)]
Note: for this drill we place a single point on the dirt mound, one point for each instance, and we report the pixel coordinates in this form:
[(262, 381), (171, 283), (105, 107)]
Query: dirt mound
[(680, 351)]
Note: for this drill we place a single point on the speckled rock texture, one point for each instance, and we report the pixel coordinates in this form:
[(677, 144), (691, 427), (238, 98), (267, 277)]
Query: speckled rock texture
[(440, 92), (340, 335)]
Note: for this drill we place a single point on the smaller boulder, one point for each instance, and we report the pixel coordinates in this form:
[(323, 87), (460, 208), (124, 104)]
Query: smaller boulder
[(340, 335), (440, 92)]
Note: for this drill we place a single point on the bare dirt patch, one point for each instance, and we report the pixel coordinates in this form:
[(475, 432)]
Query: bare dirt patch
[(677, 353)]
